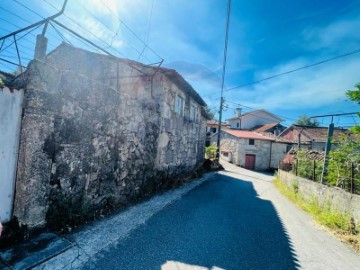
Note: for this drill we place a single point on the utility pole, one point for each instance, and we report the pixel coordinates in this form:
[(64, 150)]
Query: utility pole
[(328, 140), (327, 150), (219, 128), (223, 78)]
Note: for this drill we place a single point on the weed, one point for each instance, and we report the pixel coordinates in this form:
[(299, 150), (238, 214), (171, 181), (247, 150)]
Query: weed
[(342, 225)]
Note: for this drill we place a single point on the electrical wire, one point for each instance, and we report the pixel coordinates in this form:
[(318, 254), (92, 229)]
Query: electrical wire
[(130, 30), (296, 69), (31, 10), (14, 14), (241, 105), (18, 38), (115, 34), (253, 114)]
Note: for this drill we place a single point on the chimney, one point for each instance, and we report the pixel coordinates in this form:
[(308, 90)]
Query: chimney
[(238, 112), (40, 47)]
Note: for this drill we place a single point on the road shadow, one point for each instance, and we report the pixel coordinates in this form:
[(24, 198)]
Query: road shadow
[(251, 174), (221, 224)]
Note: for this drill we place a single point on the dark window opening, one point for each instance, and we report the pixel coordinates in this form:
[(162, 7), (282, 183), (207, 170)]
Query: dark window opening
[(251, 142)]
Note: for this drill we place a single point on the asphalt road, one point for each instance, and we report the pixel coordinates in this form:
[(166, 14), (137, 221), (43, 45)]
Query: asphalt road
[(235, 220)]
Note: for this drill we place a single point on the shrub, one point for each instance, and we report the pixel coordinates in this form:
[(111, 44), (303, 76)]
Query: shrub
[(210, 152)]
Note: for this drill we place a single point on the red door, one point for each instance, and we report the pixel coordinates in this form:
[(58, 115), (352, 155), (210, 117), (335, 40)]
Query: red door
[(249, 162)]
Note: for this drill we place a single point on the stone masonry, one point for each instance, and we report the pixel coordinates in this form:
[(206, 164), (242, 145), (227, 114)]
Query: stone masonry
[(99, 131), (268, 152)]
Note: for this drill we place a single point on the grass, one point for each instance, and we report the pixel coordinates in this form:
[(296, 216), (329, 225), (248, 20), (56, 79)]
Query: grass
[(341, 225)]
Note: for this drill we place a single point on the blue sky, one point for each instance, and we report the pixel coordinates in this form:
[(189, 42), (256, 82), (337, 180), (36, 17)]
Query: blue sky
[(266, 38)]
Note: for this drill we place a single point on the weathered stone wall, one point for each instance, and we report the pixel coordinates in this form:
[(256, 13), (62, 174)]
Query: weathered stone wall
[(99, 131), (278, 152), (231, 144), (338, 199), (261, 149), (239, 148)]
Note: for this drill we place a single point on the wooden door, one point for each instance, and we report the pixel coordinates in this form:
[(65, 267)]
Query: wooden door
[(249, 162)]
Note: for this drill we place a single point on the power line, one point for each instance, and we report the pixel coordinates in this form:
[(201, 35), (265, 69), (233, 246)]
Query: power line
[(336, 114), (31, 10), (83, 28), (14, 14), (241, 105), (29, 32), (130, 30), (228, 12), (296, 69), (253, 114), (112, 39)]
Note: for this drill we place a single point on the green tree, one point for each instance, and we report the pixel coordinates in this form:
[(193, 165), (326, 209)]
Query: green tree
[(346, 151), (304, 120), (354, 95)]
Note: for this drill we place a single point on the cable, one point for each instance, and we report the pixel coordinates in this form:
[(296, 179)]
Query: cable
[(79, 25), (130, 30), (147, 32), (21, 4), (27, 33), (9, 22), (61, 35), (252, 113), (17, 16), (296, 69), (259, 109), (33, 11), (115, 34)]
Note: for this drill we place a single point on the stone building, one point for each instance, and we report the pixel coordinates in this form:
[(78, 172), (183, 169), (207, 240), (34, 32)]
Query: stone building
[(308, 137), (251, 150), (99, 131)]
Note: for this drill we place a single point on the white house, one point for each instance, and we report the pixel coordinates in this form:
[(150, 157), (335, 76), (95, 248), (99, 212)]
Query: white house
[(252, 119)]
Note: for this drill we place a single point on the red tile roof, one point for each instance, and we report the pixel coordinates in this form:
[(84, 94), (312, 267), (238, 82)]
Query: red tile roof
[(247, 134), (264, 128), (311, 154), (317, 134)]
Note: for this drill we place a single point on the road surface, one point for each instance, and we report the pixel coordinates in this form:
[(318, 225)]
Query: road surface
[(234, 219)]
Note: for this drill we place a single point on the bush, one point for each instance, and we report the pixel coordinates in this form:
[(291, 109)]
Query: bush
[(210, 152)]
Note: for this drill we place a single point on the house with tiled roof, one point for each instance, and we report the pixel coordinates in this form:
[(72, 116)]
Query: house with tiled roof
[(253, 119), (212, 127), (311, 137), (274, 128), (251, 150)]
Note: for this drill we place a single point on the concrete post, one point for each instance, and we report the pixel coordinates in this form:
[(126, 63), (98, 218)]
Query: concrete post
[(40, 47)]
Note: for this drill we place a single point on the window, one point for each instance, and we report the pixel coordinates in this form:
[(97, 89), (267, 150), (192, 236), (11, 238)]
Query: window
[(179, 105), (192, 112), (251, 142), (237, 125), (213, 130)]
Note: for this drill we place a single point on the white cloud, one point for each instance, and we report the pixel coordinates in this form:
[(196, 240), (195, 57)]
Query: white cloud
[(344, 31), (311, 88), (315, 87)]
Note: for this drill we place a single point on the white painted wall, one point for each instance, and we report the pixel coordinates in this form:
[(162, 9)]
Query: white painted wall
[(253, 119), (10, 119)]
